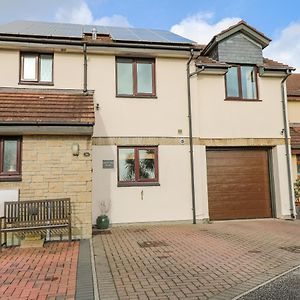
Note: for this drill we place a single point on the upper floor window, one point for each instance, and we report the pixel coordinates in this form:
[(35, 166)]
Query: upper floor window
[(241, 83), (36, 68), (10, 158), (135, 77), (137, 165)]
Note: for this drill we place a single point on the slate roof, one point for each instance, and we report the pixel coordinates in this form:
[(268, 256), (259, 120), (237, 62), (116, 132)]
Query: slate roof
[(47, 107), (242, 22), (59, 30)]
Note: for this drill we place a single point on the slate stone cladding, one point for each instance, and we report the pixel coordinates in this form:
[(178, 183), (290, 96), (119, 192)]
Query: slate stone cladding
[(239, 49)]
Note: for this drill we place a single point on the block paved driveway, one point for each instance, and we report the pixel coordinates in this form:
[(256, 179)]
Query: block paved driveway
[(184, 261), (40, 273)]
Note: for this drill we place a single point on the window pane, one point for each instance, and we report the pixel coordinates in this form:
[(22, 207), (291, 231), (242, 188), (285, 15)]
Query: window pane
[(144, 78), (29, 68), (10, 156), (147, 164), (126, 165), (248, 82), (125, 78), (46, 67), (232, 83)]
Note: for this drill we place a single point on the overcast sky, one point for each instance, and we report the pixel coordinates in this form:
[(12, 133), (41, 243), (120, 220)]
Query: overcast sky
[(198, 20)]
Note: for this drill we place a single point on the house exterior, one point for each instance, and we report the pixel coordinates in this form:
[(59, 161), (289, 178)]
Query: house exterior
[(167, 145), (293, 96)]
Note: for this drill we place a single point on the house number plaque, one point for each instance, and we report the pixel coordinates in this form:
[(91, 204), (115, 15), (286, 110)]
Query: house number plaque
[(108, 164)]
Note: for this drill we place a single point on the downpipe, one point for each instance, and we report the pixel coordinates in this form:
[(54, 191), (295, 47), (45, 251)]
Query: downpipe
[(188, 75), (287, 146), (84, 68)]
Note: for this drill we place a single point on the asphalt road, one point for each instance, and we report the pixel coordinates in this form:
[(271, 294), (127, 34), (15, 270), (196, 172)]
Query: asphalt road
[(286, 287)]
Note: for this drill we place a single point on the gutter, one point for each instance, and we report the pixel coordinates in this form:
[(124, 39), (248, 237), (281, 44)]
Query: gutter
[(287, 145), (93, 44)]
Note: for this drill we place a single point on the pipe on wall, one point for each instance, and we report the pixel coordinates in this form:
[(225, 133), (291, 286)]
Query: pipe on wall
[(84, 68), (287, 145), (191, 135)]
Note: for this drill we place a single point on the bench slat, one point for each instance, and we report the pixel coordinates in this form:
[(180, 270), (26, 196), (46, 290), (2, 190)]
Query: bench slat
[(36, 214)]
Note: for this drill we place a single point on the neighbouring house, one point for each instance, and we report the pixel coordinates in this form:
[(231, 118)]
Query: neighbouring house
[(39, 128), (167, 145), (293, 96)]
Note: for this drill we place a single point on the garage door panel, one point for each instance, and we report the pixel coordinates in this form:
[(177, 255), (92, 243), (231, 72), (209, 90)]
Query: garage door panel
[(238, 184)]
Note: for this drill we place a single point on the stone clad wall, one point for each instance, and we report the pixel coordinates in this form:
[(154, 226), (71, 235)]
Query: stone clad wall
[(49, 170)]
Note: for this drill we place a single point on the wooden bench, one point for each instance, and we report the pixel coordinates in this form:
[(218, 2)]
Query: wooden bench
[(35, 216)]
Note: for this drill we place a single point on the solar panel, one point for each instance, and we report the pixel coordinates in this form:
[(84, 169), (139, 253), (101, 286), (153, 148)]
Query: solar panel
[(76, 30)]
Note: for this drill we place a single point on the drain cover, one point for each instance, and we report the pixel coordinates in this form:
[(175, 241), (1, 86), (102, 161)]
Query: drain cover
[(148, 244), (254, 251), (294, 249), (140, 230), (50, 278)]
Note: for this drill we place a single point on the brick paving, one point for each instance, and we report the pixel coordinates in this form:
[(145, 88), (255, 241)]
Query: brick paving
[(47, 273), (204, 261)]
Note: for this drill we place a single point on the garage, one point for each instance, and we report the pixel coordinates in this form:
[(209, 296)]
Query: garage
[(238, 184)]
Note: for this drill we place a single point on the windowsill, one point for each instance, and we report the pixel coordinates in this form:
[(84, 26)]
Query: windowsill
[(242, 99), (35, 83), (130, 184), (10, 178), (138, 96)]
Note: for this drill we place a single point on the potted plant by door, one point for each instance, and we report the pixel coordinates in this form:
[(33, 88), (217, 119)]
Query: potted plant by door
[(102, 221), (297, 197)]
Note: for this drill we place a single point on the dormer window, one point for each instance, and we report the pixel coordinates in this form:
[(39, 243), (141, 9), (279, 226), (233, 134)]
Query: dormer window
[(241, 83), (36, 68)]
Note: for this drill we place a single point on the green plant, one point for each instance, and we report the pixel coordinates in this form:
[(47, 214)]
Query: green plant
[(297, 190)]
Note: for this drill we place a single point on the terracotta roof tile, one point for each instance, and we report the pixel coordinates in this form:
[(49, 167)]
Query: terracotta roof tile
[(295, 139), (207, 61), (273, 64), (46, 107), (293, 87)]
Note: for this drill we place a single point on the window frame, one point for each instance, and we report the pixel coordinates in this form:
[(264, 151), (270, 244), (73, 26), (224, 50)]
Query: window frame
[(37, 56), (240, 85), (135, 93), (16, 175), (138, 181)]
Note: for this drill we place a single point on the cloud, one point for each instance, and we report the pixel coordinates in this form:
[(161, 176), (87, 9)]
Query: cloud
[(286, 47), (200, 28), (81, 14), (115, 20)]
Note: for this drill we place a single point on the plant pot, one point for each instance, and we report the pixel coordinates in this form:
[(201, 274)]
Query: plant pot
[(102, 222)]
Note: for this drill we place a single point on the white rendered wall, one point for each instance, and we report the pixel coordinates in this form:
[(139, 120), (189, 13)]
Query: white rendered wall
[(171, 201)]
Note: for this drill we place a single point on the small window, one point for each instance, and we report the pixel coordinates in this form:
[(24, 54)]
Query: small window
[(36, 68), (10, 158), (135, 77), (241, 83), (137, 165)]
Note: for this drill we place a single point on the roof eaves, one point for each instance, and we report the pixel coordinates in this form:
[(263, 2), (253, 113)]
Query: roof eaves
[(240, 26)]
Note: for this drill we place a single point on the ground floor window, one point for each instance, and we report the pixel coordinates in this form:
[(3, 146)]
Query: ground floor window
[(10, 158), (137, 165)]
